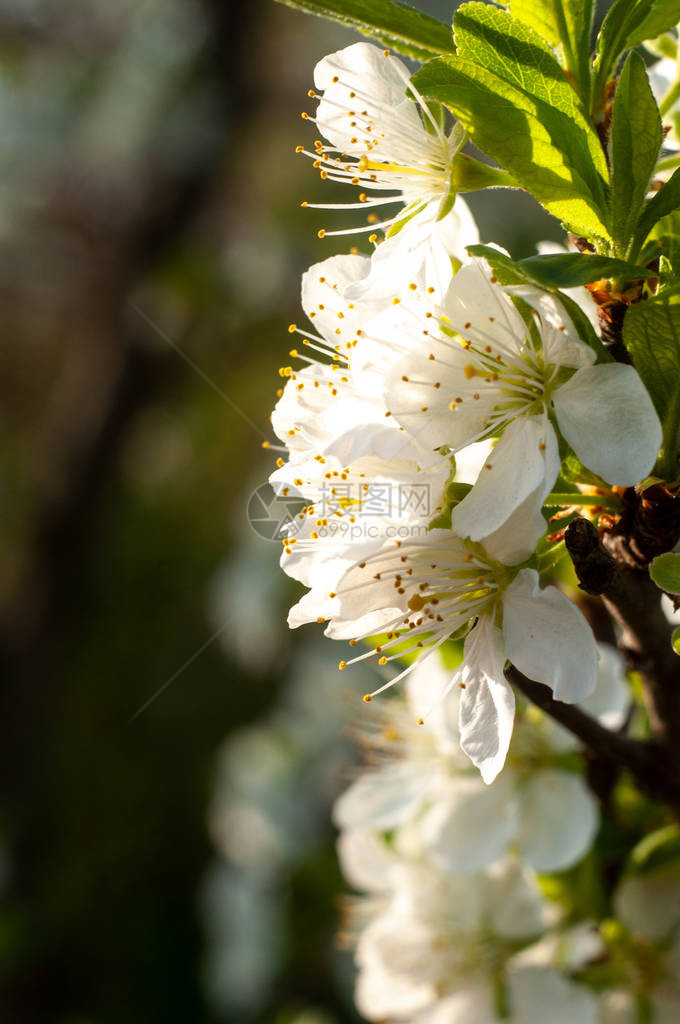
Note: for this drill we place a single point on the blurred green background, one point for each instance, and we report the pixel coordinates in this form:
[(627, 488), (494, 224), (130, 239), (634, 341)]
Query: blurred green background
[(170, 751)]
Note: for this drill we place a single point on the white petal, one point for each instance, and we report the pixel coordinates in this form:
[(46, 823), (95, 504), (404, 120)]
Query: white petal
[(422, 247), (558, 820), (361, 68), (561, 342), (365, 860), (323, 295), (473, 1004), (469, 824), (612, 697), (563, 347), (385, 798), (606, 415), (487, 703), (450, 237), (381, 993), (618, 1007), (398, 965), (470, 460), (480, 309), (514, 903), (515, 541), (524, 463), (542, 994), (426, 688), (650, 904), (548, 639), (423, 409)]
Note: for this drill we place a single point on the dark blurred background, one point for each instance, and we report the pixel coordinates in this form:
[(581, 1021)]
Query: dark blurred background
[(170, 751)]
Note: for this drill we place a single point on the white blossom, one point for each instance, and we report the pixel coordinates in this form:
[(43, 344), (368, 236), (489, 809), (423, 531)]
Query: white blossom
[(473, 368), (421, 591), (648, 906), (443, 949), (418, 786), (396, 151)]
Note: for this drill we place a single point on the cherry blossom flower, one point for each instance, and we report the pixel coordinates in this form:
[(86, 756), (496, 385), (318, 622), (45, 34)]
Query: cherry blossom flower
[(418, 786), (648, 908), (419, 592), (447, 949), (383, 141), (362, 476), (473, 368)]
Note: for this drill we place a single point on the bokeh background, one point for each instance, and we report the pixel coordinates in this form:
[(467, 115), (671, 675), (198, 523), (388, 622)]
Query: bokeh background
[(170, 751)]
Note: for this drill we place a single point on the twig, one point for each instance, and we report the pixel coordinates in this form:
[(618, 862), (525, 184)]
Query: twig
[(646, 760)]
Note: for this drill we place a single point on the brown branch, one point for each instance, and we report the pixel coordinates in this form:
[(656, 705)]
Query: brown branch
[(634, 602), (648, 761)]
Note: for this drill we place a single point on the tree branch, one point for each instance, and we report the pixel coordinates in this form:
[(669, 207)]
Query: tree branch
[(647, 760), (634, 602)]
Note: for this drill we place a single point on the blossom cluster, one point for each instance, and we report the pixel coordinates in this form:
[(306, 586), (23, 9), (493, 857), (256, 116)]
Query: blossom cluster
[(425, 419), (415, 354)]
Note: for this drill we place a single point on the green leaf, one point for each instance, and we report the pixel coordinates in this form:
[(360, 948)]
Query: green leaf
[(393, 24), (662, 16), (663, 202), (665, 571), (675, 640), (655, 851), (538, 15), (574, 472), (545, 143), (627, 24), (565, 22), (506, 270), (575, 22), (664, 242), (651, 333), (570, 269), (565, 269), (634, 143), (513, 51)]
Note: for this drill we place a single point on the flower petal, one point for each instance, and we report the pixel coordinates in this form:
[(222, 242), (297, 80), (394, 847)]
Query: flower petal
[(649, 904), (487, 703), (548, 639), (375, 81), (473, 1002), (524, 464), (606, 415), (469, 825), (365, 859), (611, 699), (558, 820), (423, 247), (385, 798), (323, 288), (480, 310), (514, 905), (544, 994)]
